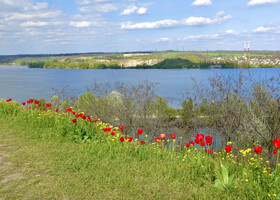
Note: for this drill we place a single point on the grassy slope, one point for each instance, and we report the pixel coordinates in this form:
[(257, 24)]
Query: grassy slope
[(52, 169), (38, 163)]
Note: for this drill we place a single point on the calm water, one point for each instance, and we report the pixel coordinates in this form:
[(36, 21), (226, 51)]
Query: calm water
[(22, 83)]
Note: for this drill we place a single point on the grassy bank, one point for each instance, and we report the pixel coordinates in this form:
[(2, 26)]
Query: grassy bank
[(47, 155)]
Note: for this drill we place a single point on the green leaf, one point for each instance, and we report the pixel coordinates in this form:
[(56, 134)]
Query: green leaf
[(224, 174)]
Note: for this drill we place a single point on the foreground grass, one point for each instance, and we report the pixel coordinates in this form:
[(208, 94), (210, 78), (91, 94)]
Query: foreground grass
[(38, 161)]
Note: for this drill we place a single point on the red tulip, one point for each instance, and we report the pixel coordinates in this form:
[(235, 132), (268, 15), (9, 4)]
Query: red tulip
[(74, 120), (112, 133), (142, 142), (30, 101), (275, 151), (199, 137), (173, 136), (208, 140), (39, 105), (197, 141), (140, 131), (258, 150), (104, 129), (129, 139), (56, 110), (8, 100), (95, 121), (73, 113), (228, 148), (162, 136), (202, 143), (122, 139), (83, 117), (77, 115), (23, 103), (35, 106), (48, 105), (192, 143), (36, 101), (208, 151), (108, 129), (276, 142), (121, 127), (157, 139), (187, 144)]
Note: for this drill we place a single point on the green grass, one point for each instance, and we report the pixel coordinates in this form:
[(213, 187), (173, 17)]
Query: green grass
[(39, 160), (232, 54)]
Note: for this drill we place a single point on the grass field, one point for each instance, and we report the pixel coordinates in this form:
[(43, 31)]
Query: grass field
[(46, 155)]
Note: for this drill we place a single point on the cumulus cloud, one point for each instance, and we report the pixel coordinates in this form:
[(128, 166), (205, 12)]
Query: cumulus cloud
[(230, 32), (40, 5), (134, 10), (107, 7), (202, 3), (262, 29), (32, 23), (261, 2), (164, 39), (168, 23), (80, 24), (87, 2), (198, 37)]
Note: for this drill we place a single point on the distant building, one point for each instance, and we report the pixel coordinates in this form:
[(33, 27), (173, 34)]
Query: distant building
[(215, 66)]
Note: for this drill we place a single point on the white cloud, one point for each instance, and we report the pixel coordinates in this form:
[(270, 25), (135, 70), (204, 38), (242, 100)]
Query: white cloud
[(87, 2), (199, 37), (168, 23), (40, 5), (261, 2), (202, 3), (142, 11), (164, 39), (263, 29), (34, 15), (32, 23), (134, 10), (80, 24), (230, 32), (108, 7)]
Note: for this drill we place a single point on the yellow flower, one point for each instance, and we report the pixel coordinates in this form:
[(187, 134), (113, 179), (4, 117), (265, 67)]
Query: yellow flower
[(274, 195), (269, 195), (246, 180), (229, 143)]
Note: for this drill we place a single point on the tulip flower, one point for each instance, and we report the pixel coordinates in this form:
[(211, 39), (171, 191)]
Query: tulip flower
[(228, 148), (202, 143), (208, 151), (208, 140), (199, 137), (129, 139), (122, 139), (74, 120), (187, 144), (23, 103), (108, 129), (192, 143), (157, 139), (8, 100), (48, 105), (275, 151), (56, 110), (258, 150), (142, 142), (112, 133), (276, 143), (197, 141), (140, 131), (36, 101), (162, 136), (173, 136)]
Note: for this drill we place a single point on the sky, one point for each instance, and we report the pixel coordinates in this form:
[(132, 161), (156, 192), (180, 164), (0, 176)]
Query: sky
[(79, 26)]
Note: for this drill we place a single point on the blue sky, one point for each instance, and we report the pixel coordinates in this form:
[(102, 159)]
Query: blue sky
[(65, 26)]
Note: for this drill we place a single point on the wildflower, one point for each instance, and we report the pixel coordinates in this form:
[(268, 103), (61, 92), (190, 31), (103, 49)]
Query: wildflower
[(229, 143), (208, 151), (157, 139), (36, 101), (199, 137), (108, 129), (8, 100), (192, 143), (112, 133), (23, 103), (56, 110), (228, 148), (162, 136), (187, 144), (140, 131), (74, 120), (197, 141), (276, 142), (121, 128), (275, 151), (77, 115), (208, 140), (48, 105), (142, 142), (258, 150), (202, 143), (122, 139), (173, 136)]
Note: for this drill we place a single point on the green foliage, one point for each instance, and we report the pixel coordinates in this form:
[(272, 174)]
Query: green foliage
[(225, 182)]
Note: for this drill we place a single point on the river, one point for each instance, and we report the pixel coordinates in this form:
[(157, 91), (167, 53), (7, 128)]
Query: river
[(21, 83)]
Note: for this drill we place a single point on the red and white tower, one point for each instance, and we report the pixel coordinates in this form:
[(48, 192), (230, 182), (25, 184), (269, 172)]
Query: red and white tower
[(247, 49)]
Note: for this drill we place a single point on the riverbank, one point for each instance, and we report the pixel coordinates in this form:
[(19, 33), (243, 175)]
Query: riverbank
[(40, 160)]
